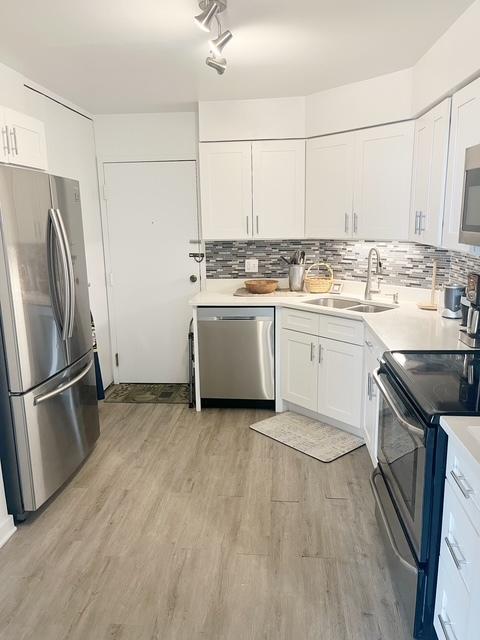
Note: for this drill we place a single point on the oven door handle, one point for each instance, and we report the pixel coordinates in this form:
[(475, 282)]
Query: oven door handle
[(411, 567), (411, 428)]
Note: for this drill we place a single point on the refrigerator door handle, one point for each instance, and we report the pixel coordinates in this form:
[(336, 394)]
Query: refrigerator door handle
[(63, 387), (54, 224), (71, 276)]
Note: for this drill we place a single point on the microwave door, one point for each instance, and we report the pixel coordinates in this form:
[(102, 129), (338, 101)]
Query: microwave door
[(470, 221)]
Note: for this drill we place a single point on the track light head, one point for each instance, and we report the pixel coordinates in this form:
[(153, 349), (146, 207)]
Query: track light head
[(220, 42), (219, 64), (205, 18)]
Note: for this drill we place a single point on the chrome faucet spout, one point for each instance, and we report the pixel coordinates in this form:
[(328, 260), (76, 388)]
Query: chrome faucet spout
[(378, 271)]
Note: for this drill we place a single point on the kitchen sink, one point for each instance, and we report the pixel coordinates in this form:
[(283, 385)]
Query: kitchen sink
[(370, 308), (334, 303)]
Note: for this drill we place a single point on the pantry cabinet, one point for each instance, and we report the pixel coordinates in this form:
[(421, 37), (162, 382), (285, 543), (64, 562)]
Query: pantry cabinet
[(23, 139), (358, 184), (429, 175), (464, 133), (329, 190), (253, 189)]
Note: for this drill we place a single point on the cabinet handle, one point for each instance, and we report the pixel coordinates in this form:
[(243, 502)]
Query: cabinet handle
[(444, 624), (347, 222), (257, 227), (6, 143), (451, 546), (320, 354), (13, 136), (355, 223), (369, 344), (312, 352), (462, 484), (421, 222), (248, 230), (369, 386), (416, 222)]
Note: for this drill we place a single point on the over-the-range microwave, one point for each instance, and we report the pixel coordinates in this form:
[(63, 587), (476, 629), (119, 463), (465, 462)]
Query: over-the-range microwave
[(470, 221)]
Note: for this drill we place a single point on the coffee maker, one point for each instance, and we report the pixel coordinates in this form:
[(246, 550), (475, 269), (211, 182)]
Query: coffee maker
[(470, 334)]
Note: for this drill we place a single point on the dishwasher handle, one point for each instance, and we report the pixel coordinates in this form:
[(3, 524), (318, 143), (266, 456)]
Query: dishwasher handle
[(233, 318)]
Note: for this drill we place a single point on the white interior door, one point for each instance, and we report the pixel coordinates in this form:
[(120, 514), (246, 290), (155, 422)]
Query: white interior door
[(152, 216)]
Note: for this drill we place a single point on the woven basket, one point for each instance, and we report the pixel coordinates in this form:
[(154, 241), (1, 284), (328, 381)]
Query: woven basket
[(319, 284)]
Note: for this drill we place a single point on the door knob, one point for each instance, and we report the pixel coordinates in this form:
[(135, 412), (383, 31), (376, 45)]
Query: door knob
[(193, 278)]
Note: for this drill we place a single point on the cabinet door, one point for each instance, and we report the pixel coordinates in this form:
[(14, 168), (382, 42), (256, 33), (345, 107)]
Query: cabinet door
[(465, 132), (340, 381), (299, 368), (5, 142), (383, 177), (279, 189), (429, 175), (226, 190), (27, 140), (329, 186), (370, 397)]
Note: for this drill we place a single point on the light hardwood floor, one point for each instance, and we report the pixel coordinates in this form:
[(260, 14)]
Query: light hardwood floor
[(185, 526)]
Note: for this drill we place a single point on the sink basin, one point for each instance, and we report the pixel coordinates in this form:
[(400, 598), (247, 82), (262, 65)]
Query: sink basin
[(370, 308), (334, 303)]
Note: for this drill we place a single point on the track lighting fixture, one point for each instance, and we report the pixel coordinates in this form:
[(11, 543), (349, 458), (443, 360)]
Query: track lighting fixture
[(205, 18), (211, 10), (220, 42), (219, 64)]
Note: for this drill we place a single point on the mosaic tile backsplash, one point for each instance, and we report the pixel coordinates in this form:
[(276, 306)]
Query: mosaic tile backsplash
[(404, 263)]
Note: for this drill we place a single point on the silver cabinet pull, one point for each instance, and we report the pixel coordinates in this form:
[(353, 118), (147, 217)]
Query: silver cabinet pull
[(416, 221), (369, 344), (63, 387), (320, 354), (13, 137), (444, 624), (355, 223), (452, 547), (369, 386), (6, 142), (462, 484), (421, 222), (312, 352), (347, 222), (257, 226), (248, 230)]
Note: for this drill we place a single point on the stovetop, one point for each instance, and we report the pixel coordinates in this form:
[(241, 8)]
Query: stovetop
[(438, 382)]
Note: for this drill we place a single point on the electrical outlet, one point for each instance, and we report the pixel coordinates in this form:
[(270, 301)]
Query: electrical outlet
[(251, 265)]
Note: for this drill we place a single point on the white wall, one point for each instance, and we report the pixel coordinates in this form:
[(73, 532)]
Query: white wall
[(12, 90), (451, 62), (380, 100), (146, 136), (261, 119), (71, 153)]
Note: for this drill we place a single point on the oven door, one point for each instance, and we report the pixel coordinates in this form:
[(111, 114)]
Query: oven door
[(470, 225), (402, 456)]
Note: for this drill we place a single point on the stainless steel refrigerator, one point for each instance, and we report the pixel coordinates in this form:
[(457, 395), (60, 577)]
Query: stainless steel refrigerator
[(48, 402)]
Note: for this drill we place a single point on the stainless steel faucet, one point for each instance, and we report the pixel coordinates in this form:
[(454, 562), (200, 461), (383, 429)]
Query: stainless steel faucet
[(378, 271)]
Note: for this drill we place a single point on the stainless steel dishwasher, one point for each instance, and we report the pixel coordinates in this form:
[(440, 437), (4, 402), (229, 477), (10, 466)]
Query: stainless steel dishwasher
[(237, 355)]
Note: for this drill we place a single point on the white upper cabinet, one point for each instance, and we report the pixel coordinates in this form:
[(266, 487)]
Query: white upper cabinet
[(464, 133), (23, 140), (329, 186), (279, 189), (226, 190), (429, 174), (383, 173)]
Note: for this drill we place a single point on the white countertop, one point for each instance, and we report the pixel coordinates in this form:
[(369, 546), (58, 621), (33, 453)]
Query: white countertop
[(466, 431), (402, 328)]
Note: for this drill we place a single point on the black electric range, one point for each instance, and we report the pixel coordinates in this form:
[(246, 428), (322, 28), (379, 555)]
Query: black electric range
[(416, 388)]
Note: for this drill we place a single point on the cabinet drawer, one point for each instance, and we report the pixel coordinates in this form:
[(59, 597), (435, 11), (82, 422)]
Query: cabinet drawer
[(343, 329), (464, 480), (452, 604), (460, 541), (300, 321)]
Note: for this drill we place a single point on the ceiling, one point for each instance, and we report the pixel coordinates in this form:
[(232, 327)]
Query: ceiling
[(119, 56)]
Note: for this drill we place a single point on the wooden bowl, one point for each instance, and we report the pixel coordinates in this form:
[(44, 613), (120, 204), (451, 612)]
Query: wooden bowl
[(261, 286)]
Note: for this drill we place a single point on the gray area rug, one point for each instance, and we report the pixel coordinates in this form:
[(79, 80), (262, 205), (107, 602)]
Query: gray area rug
[(316, 439)]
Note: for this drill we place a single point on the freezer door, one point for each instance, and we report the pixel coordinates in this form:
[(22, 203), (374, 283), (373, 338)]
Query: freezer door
[(32, 279), (56, 426), (66, 203)]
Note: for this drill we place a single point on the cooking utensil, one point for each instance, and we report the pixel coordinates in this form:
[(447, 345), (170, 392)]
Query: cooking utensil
[(285, 259), (261, 286)]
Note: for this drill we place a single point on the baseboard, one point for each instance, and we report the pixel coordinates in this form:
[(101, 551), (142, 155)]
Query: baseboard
[(7, 529)]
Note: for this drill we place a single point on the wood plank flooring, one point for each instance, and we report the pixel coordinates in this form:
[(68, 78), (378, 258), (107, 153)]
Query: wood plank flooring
[(185, 526)]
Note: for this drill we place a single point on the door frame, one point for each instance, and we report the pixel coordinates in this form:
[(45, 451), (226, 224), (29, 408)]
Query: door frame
[(197, 244)]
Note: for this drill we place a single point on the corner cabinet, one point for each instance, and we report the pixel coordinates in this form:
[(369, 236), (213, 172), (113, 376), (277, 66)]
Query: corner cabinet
[(358, 184), (23, 140), (464, 133), (373, 353), (429, 175)]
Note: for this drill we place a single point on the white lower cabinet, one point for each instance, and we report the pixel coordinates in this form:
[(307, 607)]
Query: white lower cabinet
[(373, 351), (322, 375)]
